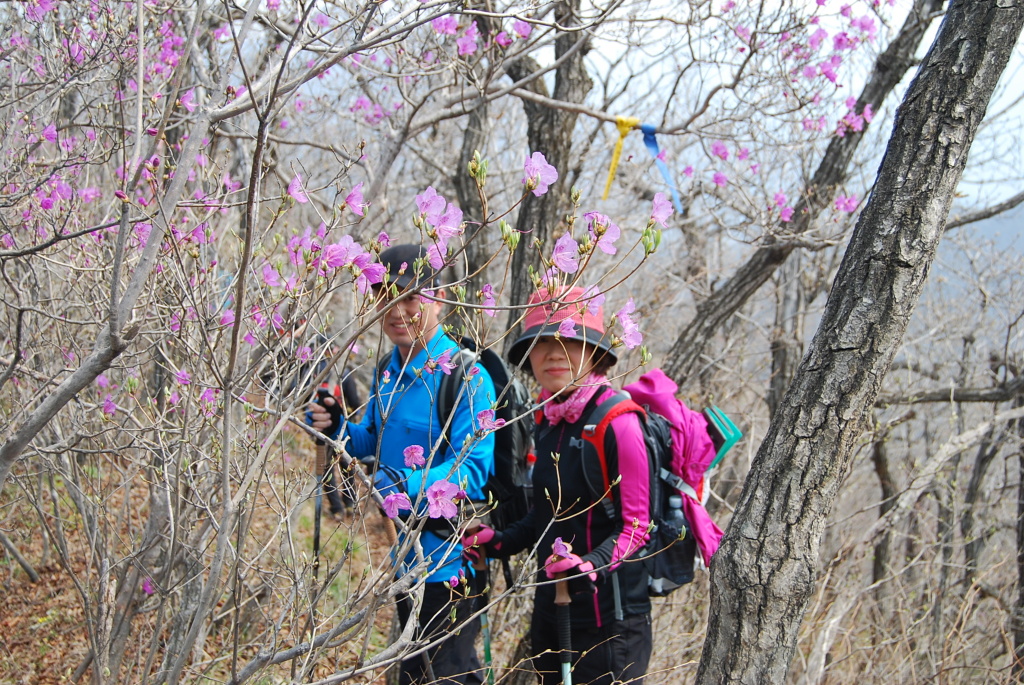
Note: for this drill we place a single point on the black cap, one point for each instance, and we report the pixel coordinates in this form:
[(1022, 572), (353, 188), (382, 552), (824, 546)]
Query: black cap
[(400, 262)]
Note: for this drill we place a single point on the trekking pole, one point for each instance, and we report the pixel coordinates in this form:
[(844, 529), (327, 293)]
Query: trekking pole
[(562, 600), (318, 503), (481, 566)]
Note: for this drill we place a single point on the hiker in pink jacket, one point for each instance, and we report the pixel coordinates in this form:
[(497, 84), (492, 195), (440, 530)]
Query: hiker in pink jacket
[(573, 528)]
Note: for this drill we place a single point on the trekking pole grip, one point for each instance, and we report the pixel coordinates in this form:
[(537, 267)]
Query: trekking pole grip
[(321, 459)]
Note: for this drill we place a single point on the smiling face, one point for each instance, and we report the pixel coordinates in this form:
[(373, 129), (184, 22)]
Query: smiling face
[(410, 322), (558, 364)]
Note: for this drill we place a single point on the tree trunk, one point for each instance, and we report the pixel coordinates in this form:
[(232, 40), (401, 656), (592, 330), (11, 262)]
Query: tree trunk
[(763, 575), (881, 566), (1017, 618), (474, 139), (549, 131), (683, 359), (787, 335)]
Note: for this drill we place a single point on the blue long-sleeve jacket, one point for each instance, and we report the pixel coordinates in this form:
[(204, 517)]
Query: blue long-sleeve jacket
[(402, 412)]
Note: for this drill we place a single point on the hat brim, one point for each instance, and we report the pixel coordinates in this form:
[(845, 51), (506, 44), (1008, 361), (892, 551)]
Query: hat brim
[(521, 347)]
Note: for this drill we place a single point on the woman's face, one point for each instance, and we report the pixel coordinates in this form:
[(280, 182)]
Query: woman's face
[(558, 363)]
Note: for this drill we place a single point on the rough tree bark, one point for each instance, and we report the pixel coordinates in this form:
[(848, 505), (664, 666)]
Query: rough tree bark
[(683, 359), (763, 576), (1017, 618), (549, 131)]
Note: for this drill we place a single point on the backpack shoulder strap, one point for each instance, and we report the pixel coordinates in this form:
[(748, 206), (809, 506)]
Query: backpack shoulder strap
[(451, 384), (599, 419)]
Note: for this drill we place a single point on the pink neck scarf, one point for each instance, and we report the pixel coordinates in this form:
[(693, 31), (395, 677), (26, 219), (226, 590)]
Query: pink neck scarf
[(572, 407)]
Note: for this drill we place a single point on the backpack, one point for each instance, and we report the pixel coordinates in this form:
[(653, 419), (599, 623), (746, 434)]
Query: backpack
[(682, 445), (507, 489)]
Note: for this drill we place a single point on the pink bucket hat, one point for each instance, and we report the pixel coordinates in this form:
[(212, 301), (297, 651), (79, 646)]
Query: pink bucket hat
[(544, 318)]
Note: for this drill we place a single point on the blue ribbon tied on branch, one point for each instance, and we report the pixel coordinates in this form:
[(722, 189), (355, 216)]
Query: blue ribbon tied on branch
[(652, 144)]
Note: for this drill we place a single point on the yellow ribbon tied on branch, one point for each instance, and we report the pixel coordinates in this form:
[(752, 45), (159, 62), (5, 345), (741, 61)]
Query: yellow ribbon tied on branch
[(625, 125)]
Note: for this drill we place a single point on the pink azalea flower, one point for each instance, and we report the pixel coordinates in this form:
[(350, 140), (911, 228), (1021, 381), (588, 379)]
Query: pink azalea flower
[(631, 335), (560, 548), (487, 422), (443, 362), (603, 232), (201, 234), (440, 496), (719, 149), (395, 502), (780, 199), (445, 25), (466, 44), (341, 253), (828, 68), (594, 299), (865, 24), (720, 179), (450, 223), (688, 171), (503, 39), (843, 41), (566, 254), (522, 28), (847, 204), (868, 113), (102, 381), (354, 200), (661, 209), (430, 204), (816, 38), (369, 275), (188, 100), (50, 133), (271, 277), (304, 354), (227, 318), (537, 169), (487, 293), (183, 377), (786, 213), (436, 255), (209, 399), (109, 408), (147, 586), (567, 329), (296, 191), (414, 456)]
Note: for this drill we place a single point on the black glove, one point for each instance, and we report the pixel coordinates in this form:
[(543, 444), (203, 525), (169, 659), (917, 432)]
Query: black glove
[(333, 409)]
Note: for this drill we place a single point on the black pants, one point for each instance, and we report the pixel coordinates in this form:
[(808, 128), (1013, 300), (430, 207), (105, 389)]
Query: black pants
[(617, 652), (454, 660)]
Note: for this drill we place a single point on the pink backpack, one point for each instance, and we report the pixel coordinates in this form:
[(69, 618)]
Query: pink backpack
[(693, 452)]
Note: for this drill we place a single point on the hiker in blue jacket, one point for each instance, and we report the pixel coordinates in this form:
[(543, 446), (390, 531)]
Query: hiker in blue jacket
[(576, 531), (400, 429)]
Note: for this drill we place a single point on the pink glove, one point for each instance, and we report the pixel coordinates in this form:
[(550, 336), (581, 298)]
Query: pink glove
[(485, 537), (561, 564)]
